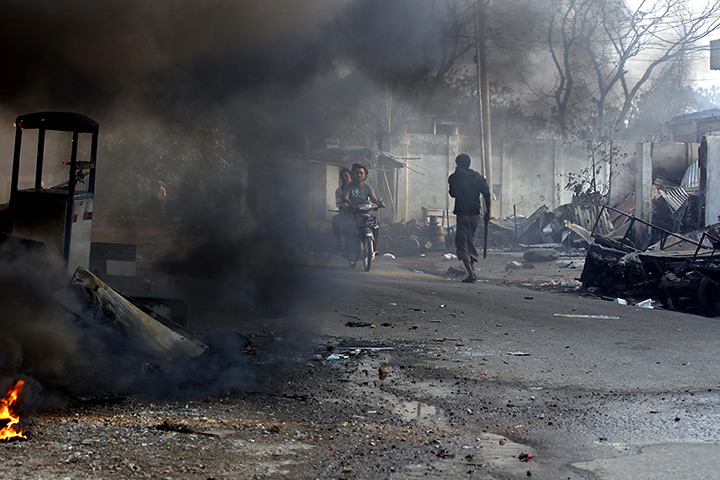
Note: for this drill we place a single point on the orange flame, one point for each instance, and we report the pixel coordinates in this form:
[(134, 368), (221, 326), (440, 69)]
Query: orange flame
[(8, 417)]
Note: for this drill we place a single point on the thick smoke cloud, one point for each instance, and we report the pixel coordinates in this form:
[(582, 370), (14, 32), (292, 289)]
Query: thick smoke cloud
[(80, 53), (215, 99)]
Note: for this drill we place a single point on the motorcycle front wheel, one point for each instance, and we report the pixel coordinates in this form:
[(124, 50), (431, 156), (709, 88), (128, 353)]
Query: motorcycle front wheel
[(368, 252)]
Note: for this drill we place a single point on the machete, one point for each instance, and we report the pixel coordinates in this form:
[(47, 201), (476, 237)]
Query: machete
[(485, 234)]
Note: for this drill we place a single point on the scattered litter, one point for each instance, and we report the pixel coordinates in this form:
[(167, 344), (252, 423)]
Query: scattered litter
[(513, 265), (519, 354), (417, 271), (524, 457), (483, 373), (436, 321), (359, 324), (337, 357), (566, 264), (392, 304), (502, 441), (442, 306), (602, 317), (370, 349), (382, 371), (620, 301), (529, 298), (172, 426), (645, 303), (386, 324), (449, 256), (445, 454), (388, 255)]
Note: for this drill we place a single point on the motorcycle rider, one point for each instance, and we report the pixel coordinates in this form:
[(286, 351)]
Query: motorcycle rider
[(354, 194)]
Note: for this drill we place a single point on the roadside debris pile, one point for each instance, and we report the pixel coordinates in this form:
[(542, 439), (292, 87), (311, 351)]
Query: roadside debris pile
[(411, 238), (554, 228), (684, 280), (671, 261), (674, 264)]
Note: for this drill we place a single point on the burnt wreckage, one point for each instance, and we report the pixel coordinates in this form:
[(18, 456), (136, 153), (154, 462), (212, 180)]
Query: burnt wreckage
[(681, 271), (683, 279), (674, 259)]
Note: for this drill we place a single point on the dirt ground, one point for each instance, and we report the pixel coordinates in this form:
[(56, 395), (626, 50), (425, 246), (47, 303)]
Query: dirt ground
[(302, 414), (315, 432)]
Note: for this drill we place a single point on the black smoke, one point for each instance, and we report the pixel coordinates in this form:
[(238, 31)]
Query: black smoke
[(217, 100)]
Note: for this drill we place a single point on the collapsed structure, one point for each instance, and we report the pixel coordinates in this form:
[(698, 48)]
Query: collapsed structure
[(660, 242)]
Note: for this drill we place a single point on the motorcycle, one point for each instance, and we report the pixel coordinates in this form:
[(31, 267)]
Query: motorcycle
[(365, 239)]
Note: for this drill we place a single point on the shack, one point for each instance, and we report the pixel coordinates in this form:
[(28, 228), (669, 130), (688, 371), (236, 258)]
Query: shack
[(325, 165)]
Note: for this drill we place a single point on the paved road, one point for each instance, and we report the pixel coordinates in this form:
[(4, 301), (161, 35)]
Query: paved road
[(632, 395)]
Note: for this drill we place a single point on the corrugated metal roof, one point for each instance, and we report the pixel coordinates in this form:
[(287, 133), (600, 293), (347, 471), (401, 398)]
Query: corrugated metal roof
[(586, 215), (674, 198), (691, 179)]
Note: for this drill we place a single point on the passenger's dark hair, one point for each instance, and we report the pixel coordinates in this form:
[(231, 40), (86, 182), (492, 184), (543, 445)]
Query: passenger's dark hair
[(344, 170), (463, 160), (357, 166)]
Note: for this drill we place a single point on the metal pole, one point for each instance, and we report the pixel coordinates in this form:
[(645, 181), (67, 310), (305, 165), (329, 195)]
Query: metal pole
[(16, 163), (478, 74), (70, 201), (485, 104), (40, 155)]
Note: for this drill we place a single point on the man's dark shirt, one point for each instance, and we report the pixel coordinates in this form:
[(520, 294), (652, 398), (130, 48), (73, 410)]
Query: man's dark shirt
[(466, 186)]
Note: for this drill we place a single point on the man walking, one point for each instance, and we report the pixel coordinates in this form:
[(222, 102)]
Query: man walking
[(466, 186)]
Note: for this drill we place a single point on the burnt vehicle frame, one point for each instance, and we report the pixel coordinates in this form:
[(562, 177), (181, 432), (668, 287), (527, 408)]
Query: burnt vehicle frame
[(683, 280)]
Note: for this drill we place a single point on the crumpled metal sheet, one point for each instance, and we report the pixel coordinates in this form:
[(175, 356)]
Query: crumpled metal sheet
[(96, 301)]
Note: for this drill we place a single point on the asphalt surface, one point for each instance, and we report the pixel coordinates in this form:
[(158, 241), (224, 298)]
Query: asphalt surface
[(631, 394), (405, 372)]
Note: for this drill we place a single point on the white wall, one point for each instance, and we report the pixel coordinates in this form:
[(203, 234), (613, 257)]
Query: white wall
[(712, 198), (431, 160), (528, 173)]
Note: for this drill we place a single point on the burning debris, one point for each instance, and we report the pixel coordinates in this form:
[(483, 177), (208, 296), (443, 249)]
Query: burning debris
[(9, 417)]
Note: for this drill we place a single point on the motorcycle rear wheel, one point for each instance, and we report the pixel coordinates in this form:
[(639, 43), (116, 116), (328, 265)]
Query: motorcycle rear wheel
[(368, 252)]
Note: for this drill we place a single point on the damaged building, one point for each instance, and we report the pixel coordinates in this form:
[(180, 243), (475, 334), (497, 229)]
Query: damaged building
[(633, 198)]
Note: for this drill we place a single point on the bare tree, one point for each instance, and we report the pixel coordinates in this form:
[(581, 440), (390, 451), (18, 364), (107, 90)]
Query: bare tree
[(457, 39), (566, 32), (621, 47)]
